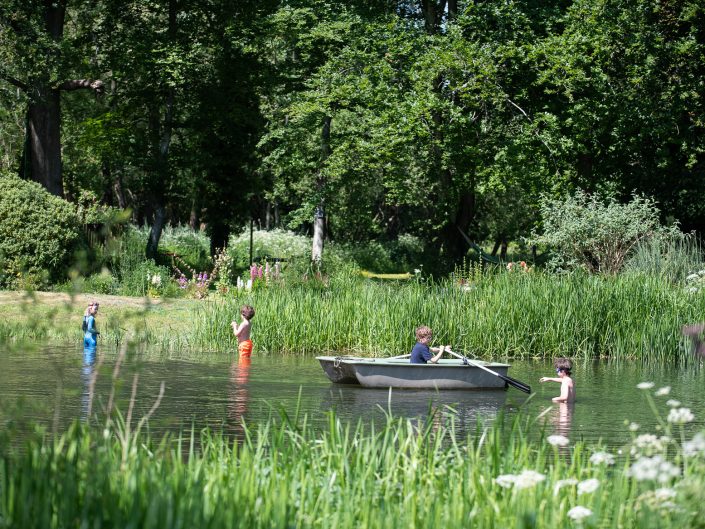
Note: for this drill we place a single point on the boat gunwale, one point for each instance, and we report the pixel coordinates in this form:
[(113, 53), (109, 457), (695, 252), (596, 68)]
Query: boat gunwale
[(405, 362)]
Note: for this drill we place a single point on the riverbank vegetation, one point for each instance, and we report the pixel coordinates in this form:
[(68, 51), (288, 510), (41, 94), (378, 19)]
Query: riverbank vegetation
[(509, 314), (408, 473)]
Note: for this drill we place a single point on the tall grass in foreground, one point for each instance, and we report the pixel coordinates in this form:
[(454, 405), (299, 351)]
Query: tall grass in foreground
[(406, 474), (533, 314)]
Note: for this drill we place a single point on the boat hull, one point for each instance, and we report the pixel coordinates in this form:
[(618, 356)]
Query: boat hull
[(399, 373)]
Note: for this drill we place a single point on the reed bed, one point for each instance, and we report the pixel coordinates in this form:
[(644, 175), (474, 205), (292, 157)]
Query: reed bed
[(504, 315), (508, 315), (405, 474)]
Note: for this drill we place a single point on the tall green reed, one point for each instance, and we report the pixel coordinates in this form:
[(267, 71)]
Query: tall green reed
[(533, 314)]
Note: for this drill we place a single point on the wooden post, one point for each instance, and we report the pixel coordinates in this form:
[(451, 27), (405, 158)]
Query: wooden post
[(251, 227)]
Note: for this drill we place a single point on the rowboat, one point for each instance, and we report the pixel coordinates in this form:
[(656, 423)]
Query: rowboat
[(400, 373)]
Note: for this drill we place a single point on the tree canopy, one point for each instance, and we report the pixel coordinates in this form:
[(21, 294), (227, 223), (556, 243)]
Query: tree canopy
[(441, 119)]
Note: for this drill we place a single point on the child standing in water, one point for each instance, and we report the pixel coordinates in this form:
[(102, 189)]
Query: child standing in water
[(242, 331), (90, 333), (563, 368)]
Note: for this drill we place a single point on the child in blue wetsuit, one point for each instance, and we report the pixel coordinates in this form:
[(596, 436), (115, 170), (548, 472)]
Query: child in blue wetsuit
[(90, 333), (422, 353)]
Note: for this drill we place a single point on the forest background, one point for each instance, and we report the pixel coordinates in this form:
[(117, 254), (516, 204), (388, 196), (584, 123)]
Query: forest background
[(420, 123)]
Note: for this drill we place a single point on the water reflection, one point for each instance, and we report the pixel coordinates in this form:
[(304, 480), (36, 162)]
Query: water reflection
[(465, 407), (238, 392), (213, 391), (89, 356)]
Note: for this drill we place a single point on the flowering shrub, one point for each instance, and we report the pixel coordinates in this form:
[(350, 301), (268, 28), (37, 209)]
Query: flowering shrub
[(694, 283), (197, 286), (521, 266)]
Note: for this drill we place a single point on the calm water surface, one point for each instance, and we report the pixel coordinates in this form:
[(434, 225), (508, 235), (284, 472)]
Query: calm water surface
[(51, 386)]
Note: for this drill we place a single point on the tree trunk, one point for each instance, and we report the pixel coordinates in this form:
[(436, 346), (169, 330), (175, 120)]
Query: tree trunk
[(319, 218), (156, 232), (452, 8), (220, 233), (503, 251), (162, 154), (433, 14), (318, 234), (454, 244), (194, 217), (45, 138)]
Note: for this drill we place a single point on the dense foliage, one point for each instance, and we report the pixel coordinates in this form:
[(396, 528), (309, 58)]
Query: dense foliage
[(599, 234), (431, 119), (39, 234)]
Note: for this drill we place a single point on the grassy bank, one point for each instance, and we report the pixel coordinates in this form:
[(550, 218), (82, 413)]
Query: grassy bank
[(405, 475), (517, 314)]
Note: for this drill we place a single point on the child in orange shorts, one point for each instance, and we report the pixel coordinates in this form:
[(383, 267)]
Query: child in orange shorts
[(242, 331)]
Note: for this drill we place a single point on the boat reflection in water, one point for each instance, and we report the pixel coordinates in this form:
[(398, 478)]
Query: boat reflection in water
[(464, 408)]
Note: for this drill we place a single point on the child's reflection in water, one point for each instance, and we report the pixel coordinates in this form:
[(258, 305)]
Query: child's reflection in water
[(238, 395)]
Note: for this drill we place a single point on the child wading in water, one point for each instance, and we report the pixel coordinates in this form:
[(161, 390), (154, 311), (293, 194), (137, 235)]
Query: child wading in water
[(563, 368), (90, 333), (242, 331)]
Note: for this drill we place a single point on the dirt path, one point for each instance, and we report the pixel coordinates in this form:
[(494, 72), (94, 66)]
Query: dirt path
[(81, 300)]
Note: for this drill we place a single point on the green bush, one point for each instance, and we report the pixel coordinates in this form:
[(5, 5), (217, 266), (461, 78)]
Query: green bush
[(39, 233), (274, 243), (597, 233)]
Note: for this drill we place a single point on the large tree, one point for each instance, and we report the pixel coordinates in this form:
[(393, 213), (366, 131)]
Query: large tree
[(40, 59)]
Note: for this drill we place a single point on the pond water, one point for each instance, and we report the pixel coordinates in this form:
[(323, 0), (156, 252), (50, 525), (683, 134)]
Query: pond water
[(51, 386)]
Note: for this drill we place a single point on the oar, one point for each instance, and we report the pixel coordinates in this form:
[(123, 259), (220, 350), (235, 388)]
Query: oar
[(509, 380)]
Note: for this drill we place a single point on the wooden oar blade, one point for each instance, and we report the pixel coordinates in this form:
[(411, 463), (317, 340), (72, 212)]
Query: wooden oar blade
[(509, 380), (516, 383)]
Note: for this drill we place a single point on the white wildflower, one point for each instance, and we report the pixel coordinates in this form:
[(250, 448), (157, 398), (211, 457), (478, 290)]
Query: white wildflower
[(695, 446), (528, 479), (156, 280), (248, 285), (692, 277), (649, 444), (661, 499), (602, 458), (558, 440), (633, 427), (672, 403), (645, 385), (579, 513), (653, 469), (588, 486), (680, 416), (525, 480), (570, 482), (664, 494), (505, 480), (663, 391)]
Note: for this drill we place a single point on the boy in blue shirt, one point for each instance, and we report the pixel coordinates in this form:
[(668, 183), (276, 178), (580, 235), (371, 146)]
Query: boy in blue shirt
[(421, 353)]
